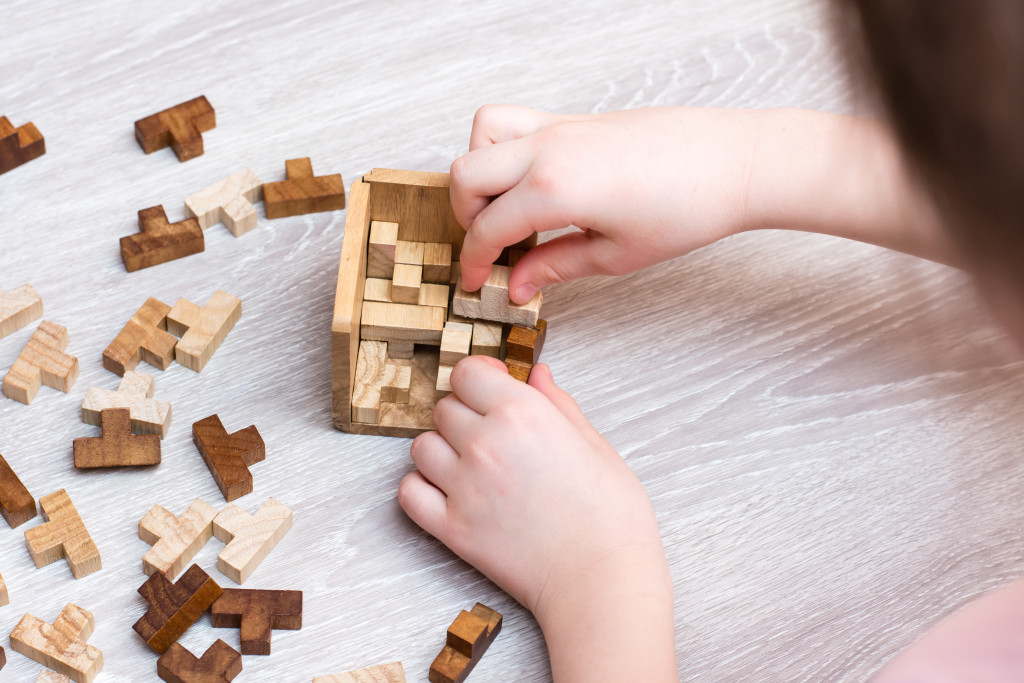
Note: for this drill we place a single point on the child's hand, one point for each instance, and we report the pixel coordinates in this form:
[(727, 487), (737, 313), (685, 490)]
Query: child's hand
[(643, 185), (516, 482)]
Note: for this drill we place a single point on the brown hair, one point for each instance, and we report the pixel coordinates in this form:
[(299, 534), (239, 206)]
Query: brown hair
[(950, 76)]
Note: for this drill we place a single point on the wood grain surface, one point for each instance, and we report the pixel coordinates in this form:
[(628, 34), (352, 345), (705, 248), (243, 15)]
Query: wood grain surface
[(830, 433)]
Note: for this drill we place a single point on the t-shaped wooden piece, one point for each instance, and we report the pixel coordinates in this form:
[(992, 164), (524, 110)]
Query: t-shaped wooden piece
[(469, 636), (202, 328), (18, 308), (117, 446), (159, 241), (256, 613), (181, 127), (229, 455), (19, 145), (145, 337), (135, 393), (249, 538), (303, 192), (16, 504), (175, 540), (63, 535), (173, 607), (42, 361), (60, 646), (219, 664)]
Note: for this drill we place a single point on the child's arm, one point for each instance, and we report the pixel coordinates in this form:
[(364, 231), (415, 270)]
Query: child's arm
[(647, 185)]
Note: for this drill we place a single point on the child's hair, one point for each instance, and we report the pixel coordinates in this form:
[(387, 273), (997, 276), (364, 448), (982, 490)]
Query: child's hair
[(950, 76)]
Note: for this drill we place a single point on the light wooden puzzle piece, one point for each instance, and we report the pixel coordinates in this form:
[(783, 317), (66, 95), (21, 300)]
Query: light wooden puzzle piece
[(173, 607), (405, 285), (202, 328), (455, 345), (60, 646), (256, 613), (19, 145), (249, 538), (5, 597), (135, 393), (42, 361), (410, 253), (402, 322), (16, 504), (229, 201), (159, 241), (379, 289), (63, 535), (378, 379), (145, 337), (180, 127), (117, 446), (47, 676), (382, 673), (469, 636), (491, 302), (18, 308), (437, 262), (175, 540), (219, 664), (486, 338), (381, 248), (397, 383), (303, 192), (229, 455)]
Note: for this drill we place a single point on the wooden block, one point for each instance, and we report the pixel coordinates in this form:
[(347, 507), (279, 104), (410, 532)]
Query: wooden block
[(455, 342), (42, 361), (117, 446), (16, 504), (160, 241), (303, 192), (202, 328), (19, 145), (18, 308), (401, 350), (382, 673), (180, 127), (135, 393), (256, 613), (60, 646), (5, 597), (377, 289), (444, 377), (366, 388), (219, 664), (173, 607), (495, 304), (63, 535), (249, 538), (405, 285), (518, 369), (469, 636), (434, 295), (409, 252), (145, 337), (3, 660), (525, 343), (437, 262), (47, 676), (514, 255), (402, 322), (229, 201), (486, 338), (396, 384), (380, 257), (175, 540), (456, 273), (229, 456)]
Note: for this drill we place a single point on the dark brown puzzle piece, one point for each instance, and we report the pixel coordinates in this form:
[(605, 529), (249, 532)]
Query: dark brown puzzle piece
[(19, 145), (117, 447), (159, 241), (16, 504), (219, 664), (229, 455), (180, 126), (257, 613), (174, 606)]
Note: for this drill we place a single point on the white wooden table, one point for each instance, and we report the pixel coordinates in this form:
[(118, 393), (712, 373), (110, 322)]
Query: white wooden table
[(830, 433)]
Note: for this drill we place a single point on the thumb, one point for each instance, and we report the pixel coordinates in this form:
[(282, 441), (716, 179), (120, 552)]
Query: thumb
[(562, 259), (543, 381)]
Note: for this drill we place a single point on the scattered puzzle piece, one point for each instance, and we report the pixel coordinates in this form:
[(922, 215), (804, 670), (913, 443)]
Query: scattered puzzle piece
[(18, 308), (303, 192), (469, 636), (42, 361), (145, 337), (219, 664), (60, 646), (173, 607), (3, 658), (16, 504), (160, 241), (229, 455), (117, 446), (382, 673), (47, 676), (249, 538), (229, 201), (437, 262), (180, 127), (491, 302), (148, 415), (175, 540), (5, 597), (202, 328), (19, 145), (63, 535), (381, 248), (256, 613)]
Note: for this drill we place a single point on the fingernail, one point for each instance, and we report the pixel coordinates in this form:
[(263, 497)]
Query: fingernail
[(524, 293)]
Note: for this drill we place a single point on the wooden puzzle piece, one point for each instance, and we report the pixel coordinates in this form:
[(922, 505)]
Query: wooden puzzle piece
[(381, 248), (180, 127), (18, 308), (379, 289), (397, 383), (401, 349), (229, 455), (19, 145), (455, 345), (148, 415), (145, 337), (202, 328), (47, 676), (229, 201), (378, 379), (249, 538), (444, 377), (117, 446), (402, 322), (382, 673), (173, 607), (219, 664), (175, 540), (5, 597), (256, 613), (16, 504), (525, 343), (469, 636), (303, 192), (437, 262), (160, 241), (60, 646), (491, 302), (486, 338), (518, 369), (3, 658), (63, 535), (405, 285), (410, 253), (42, 361)]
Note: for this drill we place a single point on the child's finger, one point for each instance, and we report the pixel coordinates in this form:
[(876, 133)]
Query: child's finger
[(494, 123), (542, 380), (483, 384), (456, 422), (486, 173), (424, 503), (562, 259), (435, 459)]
